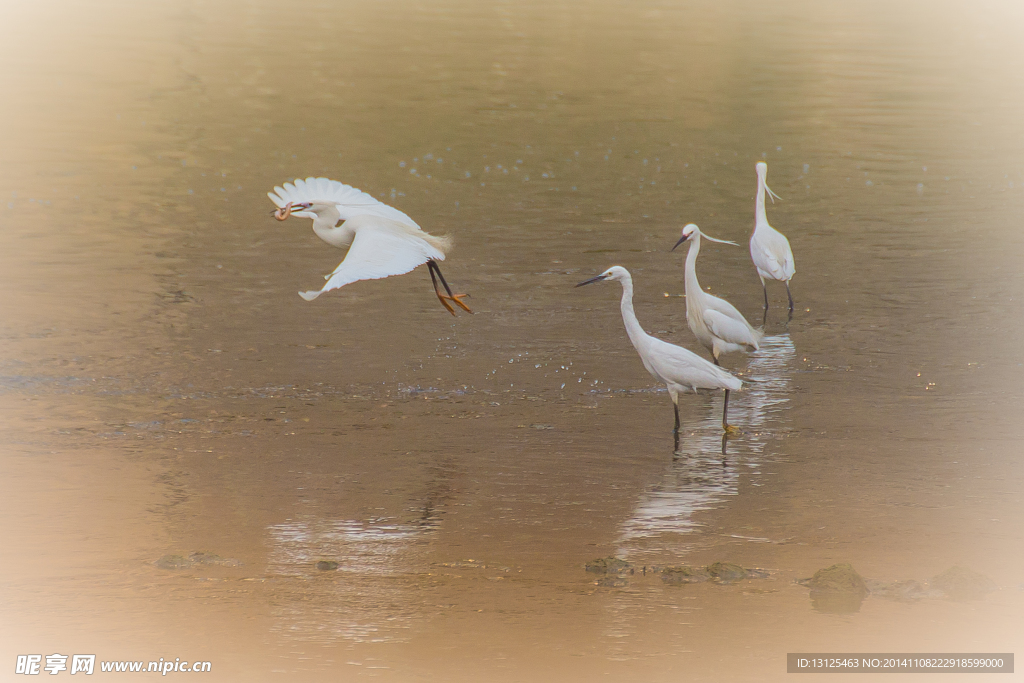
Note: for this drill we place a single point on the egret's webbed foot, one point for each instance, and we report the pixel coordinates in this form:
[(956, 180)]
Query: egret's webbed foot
[(457, 298)]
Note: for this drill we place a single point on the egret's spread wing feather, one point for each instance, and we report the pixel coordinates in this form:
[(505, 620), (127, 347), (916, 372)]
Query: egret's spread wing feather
[(730, 329), (379, 251), (351, 200)]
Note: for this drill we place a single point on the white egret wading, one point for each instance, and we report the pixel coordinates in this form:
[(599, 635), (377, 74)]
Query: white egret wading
[(381, 240), (677, 368), (769, 248), (715, 322)]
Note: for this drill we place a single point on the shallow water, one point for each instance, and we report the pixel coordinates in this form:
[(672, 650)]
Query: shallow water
[(166, 392)]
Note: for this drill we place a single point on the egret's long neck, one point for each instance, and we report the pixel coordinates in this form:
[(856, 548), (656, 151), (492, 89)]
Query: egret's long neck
[(326, 227), (691, 285), (633, 329), (760, 217)]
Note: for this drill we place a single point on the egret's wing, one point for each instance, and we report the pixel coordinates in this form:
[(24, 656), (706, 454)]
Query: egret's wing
[(776, 256), (784, 255), (351, 200), (730, 329), (377, 251), (715, 303), (683, 367)]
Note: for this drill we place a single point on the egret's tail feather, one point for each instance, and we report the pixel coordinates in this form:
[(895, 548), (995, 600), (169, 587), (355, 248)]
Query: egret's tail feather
[(442, 243), (758, 336), (311, 294)]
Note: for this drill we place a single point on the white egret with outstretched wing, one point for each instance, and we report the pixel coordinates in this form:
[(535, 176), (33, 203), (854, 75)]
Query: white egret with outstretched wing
[(381, 240)]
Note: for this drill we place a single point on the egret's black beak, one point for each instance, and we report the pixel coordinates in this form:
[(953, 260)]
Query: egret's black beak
[(681, 240), (294, 207), (593, 279)]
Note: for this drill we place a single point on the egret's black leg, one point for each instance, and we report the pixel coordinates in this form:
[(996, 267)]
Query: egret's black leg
[(675, 430), (790, 297), (434, 269), (725, 412), (457, 298), (765, 288), (440, 297)]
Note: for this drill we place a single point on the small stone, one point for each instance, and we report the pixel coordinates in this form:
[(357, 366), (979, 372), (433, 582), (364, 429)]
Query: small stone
[(684, 574), (204, 558), (726, 572), (838, 589), (609, 565), (327, 565), (839, 578), (173, 562)]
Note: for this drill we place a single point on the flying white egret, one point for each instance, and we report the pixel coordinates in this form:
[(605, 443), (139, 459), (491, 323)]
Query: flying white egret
[(769, 248), (381, 240), (715, 322), (677, 368)]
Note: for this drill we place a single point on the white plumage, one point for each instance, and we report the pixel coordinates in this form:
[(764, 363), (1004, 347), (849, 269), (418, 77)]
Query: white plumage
[(677, 368), (381, 240), (349, 200), (715, 322), (381, 248), (769, 248)]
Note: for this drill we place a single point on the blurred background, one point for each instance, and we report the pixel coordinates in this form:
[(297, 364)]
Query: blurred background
[(198, 464)]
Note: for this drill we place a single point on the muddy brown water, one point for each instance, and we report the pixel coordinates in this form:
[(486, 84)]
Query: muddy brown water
[(166, 392)]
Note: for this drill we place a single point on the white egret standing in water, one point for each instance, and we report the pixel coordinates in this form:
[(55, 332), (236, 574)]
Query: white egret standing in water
[(715, 322), (677, 368), (381, 240), (769, 248)]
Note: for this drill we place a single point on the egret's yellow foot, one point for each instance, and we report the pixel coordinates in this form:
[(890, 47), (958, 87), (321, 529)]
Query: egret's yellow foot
[(444, 303), (457, 298), (731, 429)]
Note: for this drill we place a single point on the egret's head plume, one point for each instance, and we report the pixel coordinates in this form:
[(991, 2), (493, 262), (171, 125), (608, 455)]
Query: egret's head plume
[(762, 172)]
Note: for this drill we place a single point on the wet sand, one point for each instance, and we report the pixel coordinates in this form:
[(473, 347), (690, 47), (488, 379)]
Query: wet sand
[(165, 391)]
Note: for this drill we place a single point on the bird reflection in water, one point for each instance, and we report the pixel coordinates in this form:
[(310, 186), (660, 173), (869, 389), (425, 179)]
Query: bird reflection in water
[(762, 406), (687, 485), (768, 388), (700, 475)]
